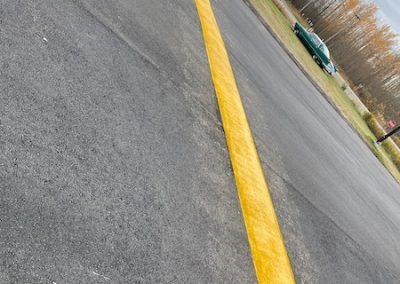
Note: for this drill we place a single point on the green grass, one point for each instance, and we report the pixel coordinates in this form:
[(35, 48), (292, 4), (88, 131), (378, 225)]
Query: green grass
[(283, 30)]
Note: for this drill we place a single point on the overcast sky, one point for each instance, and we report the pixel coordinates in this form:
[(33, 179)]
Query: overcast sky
[(390, 12)]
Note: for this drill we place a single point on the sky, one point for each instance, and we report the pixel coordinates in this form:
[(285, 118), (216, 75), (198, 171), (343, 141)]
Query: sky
[(390, 13)]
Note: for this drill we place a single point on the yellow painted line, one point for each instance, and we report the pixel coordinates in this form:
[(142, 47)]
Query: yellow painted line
[(267, 247)]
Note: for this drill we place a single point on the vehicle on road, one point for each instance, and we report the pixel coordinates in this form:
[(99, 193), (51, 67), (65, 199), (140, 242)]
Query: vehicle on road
[(316, 47)]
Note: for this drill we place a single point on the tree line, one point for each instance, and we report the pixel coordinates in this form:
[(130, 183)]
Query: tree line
[(363, 47)]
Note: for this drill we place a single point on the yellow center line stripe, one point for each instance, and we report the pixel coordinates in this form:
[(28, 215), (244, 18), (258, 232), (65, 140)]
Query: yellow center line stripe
[(267, 247)]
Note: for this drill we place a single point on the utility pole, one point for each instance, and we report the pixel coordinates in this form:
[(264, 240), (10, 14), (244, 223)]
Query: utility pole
[(383, 138)]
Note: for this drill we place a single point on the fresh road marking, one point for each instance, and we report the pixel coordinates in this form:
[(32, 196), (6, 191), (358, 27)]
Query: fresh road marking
[(267, 247)]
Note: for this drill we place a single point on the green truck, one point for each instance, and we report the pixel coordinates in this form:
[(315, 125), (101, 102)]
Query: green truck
[(316, 47)]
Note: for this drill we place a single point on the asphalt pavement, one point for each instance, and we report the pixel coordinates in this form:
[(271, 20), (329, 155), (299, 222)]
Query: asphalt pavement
[(338, 207), (113, 161)]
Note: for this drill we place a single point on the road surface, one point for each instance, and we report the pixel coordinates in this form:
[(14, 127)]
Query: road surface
[(339, 208), (113, 162)]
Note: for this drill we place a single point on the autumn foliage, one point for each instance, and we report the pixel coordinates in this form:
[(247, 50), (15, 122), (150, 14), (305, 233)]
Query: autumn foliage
[(365, 49)]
